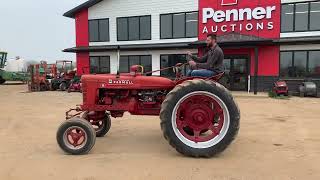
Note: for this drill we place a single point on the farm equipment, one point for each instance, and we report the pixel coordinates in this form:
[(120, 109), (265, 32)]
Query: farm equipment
[(75, 85), (281, 88), (199, 117), (10, 76), (51, 72), (39, 77), (3, 59), (308, 89), (63, 76)]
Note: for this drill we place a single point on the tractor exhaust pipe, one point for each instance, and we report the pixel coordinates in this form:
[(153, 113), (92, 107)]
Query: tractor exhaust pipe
[(118, 61)]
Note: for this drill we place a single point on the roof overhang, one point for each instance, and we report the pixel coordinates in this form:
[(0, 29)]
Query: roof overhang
[(130, 47), (298, 40), (71, 13), (231, 40)]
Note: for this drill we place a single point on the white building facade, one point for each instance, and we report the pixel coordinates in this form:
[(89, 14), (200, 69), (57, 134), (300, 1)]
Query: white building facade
[(158, 34)]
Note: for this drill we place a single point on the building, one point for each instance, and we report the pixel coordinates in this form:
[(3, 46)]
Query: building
[(263, 41)]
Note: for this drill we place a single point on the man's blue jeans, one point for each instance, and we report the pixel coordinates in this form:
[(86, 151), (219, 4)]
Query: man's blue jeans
[(201, 73)]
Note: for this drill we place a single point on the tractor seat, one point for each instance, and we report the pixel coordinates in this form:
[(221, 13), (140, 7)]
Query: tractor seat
[(216, 77)]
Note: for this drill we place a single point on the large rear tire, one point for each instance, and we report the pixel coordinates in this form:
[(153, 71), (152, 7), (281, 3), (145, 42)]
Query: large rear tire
[(199, 118), (76, 136)]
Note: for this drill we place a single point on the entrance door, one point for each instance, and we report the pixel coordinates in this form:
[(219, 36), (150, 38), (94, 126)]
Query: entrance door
[(237, 71)]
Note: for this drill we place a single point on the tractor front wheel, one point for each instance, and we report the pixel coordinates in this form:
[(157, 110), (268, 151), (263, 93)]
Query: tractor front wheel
[(199, 118), (63, 86), (2, 81), (100, 123), (43, 87), (76, 136)]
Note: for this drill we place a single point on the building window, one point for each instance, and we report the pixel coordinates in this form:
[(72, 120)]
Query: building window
[(287, 19), (192, 24), (299, 64), (134, 28), (99, 30), (285, 63), (299, 17), (179, 25), (314, 63), (127, 61), (99, 64), (169, 60), (314, 16)]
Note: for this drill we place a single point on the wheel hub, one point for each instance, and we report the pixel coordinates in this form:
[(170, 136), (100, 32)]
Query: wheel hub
[(75, 137), (199, 118)]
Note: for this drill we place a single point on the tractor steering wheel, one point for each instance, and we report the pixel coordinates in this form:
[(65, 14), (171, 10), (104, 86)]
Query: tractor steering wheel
[(142, 69), (136, 69)]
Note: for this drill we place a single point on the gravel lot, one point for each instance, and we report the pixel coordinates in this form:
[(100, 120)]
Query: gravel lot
[(278, 140)]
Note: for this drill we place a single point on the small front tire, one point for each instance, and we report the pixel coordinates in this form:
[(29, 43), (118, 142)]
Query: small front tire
[(76, 136), (2, 81), (63, 86), (101, 126)]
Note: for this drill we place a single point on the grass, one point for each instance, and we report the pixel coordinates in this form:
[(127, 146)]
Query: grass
[(275, 96)]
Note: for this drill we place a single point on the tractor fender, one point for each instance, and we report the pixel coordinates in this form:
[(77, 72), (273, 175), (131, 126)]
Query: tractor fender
[(215, 78)]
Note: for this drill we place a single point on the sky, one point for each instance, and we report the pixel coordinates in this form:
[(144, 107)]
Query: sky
[(36, 29)]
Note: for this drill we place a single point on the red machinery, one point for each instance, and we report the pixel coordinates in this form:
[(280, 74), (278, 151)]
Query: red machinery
[(63, 76), (281, 88), (199, 117), (38, 80), (75, 85)]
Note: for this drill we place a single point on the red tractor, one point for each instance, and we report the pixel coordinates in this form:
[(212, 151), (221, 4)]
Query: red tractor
[(63, 75), (199, 117)]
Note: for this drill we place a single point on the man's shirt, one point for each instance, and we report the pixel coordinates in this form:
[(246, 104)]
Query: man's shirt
[(213, 60)]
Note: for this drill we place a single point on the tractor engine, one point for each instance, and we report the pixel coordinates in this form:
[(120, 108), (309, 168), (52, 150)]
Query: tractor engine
[(133, 93), (135, 101), (151, 96)]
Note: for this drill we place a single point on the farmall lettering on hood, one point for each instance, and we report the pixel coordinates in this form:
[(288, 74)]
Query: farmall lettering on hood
[(251, 17)]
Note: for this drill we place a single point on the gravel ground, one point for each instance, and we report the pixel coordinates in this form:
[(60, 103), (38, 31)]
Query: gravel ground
[(278, 140)]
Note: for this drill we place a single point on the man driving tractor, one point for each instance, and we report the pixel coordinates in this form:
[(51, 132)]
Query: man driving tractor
[(210, 64)]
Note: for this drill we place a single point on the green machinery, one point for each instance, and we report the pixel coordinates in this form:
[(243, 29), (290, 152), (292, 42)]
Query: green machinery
[(10, 76)]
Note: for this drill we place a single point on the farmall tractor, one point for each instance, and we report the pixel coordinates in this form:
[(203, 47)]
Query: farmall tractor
[(199, 117)]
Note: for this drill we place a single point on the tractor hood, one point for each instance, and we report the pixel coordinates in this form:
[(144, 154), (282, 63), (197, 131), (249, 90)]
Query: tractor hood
[(127, 81)]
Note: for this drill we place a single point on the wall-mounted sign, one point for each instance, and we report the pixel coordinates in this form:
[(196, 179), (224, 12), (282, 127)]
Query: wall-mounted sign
[(253, 17)]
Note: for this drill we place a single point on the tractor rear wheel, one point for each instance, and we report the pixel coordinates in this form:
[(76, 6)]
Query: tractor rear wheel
[(199, 118), (101, 126), (76, 136)]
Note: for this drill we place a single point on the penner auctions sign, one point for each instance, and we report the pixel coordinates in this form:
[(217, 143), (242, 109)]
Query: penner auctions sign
[(251, 17)]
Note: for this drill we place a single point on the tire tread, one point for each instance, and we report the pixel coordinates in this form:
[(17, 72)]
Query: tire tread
[(165, 117)]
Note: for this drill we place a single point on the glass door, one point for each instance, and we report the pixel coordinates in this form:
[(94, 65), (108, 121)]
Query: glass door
[(236, 72)]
